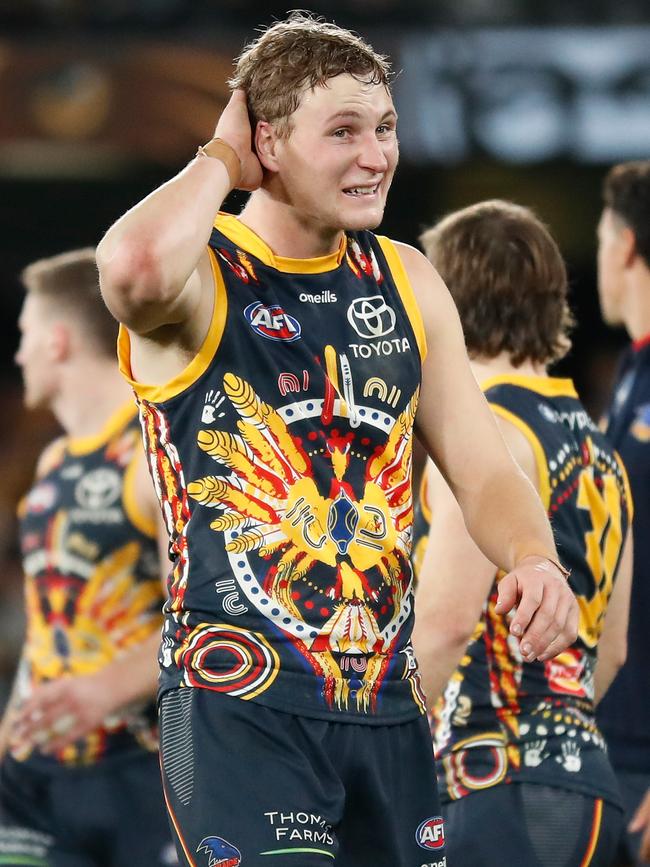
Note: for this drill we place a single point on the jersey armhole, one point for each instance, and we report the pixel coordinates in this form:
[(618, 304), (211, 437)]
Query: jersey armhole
[(628, 490), (146, 524), (405, 290), (201, 361), (538, 451)]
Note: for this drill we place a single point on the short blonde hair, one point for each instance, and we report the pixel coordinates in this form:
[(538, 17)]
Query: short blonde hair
[(297, 54)]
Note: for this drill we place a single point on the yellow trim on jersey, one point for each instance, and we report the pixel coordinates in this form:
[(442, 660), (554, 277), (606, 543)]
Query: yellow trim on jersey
[(201, 361), (146, 524), (540, 457), (85, 445), (548, 386), (405, 290), (628, 490), (243, 237)]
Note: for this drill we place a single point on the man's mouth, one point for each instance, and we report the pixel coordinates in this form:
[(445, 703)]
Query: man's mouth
[(358, 192)]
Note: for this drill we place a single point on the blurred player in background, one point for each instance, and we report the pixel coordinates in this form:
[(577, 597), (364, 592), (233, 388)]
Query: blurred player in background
[(624, 289), (522, 768), (79, 779)]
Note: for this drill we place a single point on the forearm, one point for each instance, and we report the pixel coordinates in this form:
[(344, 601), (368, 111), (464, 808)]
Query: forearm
[(438, 656), (607, 668), (153, 249), (133, 676), (506, 519)]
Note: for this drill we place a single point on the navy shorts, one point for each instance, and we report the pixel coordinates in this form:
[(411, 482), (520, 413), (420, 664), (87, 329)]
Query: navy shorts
[(253, 786), (530, 825), (107, 815)]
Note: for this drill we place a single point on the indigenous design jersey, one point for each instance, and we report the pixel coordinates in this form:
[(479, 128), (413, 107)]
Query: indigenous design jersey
[(282, 457), (92, 578), (501, 720), (624, 713)]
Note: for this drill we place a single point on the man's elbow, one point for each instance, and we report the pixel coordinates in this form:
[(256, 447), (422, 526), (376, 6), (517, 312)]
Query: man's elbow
[(131, 281), (446, 633)]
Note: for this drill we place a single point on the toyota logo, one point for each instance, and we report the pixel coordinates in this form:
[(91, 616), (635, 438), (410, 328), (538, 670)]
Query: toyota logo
[(371, 317)]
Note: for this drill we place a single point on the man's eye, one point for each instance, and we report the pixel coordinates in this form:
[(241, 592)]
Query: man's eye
[(341, 133)]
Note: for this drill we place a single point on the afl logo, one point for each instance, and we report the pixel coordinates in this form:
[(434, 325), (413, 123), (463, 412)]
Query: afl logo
[(272, 322), (431, 834), (371, 317)]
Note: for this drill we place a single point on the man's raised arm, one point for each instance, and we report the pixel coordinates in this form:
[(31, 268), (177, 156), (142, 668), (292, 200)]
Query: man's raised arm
[(152, 260)]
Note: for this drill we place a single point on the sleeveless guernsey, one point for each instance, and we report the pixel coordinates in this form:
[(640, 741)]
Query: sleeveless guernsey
[(501, 720), (282, 459), (624, 712), (92, 579)]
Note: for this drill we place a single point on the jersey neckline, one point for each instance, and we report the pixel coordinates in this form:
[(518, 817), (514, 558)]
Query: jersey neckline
[(549, 386), (119, 419), (232, 227)]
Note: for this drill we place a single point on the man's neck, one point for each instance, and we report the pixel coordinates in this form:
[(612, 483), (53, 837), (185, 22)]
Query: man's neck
[(287, 232), (90, 393), (636, 315), (486, 368)]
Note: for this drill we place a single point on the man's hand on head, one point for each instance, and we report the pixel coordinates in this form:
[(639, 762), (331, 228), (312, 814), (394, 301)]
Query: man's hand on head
[(546, 619), (234, 129)]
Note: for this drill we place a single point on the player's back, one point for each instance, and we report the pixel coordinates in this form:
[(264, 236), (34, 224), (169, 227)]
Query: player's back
[(501, 719)]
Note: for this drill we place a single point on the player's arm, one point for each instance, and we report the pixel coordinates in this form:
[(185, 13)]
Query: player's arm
[(62, 711), (13, 703), (612, 646), (454, 571), (641, 822), (153, 263), (500, 507)]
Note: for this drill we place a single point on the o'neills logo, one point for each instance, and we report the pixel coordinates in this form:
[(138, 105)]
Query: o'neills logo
[(325, 297), (272, 322), (431, 833)]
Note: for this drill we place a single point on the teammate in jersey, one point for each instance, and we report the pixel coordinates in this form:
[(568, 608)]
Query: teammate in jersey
[(519, 753), (79, 779), (278, 358), (624, 288)]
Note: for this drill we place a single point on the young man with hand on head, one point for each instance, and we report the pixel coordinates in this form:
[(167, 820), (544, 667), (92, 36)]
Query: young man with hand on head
[(519, 753), (281, 359)]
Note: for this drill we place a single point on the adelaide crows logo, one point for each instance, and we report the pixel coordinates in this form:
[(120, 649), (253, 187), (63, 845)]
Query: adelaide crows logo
[(220, 853)]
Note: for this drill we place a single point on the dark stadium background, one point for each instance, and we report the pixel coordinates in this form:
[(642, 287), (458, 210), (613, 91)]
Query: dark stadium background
[(101, 101)]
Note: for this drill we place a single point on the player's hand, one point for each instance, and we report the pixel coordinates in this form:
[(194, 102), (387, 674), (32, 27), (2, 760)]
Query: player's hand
[(61, 712), (641, 822), (547, 613), (235, 129)]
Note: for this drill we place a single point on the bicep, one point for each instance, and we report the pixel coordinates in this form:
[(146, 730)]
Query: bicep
[(453, 420)]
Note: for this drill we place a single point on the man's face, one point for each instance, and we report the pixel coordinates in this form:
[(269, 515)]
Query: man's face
[(32, 355), (338, 161), (611, 267)]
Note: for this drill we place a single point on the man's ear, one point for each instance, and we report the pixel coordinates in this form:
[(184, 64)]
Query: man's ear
[(59, 341), (628, 246), (266, 139)]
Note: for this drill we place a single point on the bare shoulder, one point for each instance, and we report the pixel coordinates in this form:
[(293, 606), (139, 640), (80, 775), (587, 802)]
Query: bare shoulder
[(520, 448), (428, 286), (50, 457)]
